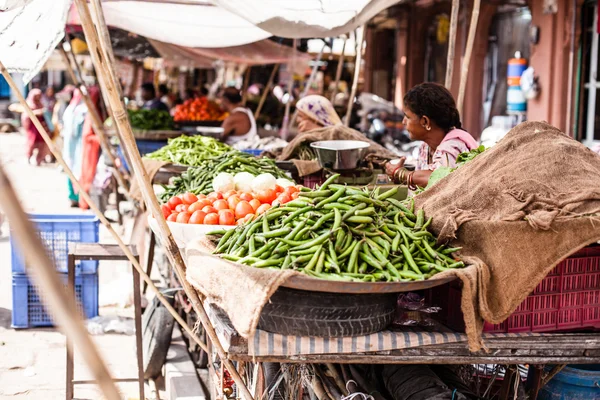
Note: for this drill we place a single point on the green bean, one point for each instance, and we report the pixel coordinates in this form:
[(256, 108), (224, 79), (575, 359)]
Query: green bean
[(287, 262), (378, 254), (329, 181), (295, 214), (334, 197), (451, 250), (388, 231), (266, 263), (427, 223), (313, 261), (363, 267), (320, 262), (391, 192), (424, 253), (251, 245), (434, 254), (412, 275), (323, 219), (340, 237), (229, 257), (409, 259), (396, 243), (370, 260), (351, 211), (339, 206), (302, 233), (459, 264), (348, 251), (337, 219), (319, 193), (359, 220), (366, 212), (318, 240), (420, 219), (296, 230), (276, 233), (224, 239), (302, 259), (332, 252), (352, 266)]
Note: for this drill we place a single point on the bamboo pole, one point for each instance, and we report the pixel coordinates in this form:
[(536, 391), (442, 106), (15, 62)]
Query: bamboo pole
[(99, 47), (245, 86), (96, 120), (468, 52), (55, 297), (338, 72), (94, 207), (359, 48), (452, 42), (266, 90), (286, 116)]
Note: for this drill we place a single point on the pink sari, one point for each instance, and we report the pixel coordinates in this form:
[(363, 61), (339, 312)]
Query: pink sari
[(455, 142)]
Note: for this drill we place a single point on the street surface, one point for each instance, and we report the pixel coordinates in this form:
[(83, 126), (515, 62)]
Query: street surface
[(32, 361)]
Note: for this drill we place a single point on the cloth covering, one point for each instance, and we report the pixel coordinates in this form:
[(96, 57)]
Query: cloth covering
[(337, 132), (151, 167), (522, 209)]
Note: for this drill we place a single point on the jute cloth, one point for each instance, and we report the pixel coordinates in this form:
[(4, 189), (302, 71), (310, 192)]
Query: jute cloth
[(151, 167), (337, 132)]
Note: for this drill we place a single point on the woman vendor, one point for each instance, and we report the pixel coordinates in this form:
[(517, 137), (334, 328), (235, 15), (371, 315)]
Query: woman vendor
[(431, 117), (315, 112)]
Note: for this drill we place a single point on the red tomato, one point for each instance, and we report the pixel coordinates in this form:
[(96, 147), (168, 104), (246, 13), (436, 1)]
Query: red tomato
[(205, 202), (174, 202), (209, 209), (255, 203), (240, 221), (228, 194), (166, 210), (267, 196), (248, 218), (181, 208), (173, 217), (284, 198), (201, 196), (233, 201), (221, 205), (246, 196), (290, 190), (278, 189), (242, 209), (263, 208), (195, 207), (295, 195), (226, 217), (189, 198), (183, 217), (197, 217), (215, 196), (211, 219)]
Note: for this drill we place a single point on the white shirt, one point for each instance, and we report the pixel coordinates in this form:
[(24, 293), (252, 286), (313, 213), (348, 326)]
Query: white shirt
[(253, 132)]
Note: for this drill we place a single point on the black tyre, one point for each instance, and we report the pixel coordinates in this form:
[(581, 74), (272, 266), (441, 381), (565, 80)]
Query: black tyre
[(298, 312), (157, 326)]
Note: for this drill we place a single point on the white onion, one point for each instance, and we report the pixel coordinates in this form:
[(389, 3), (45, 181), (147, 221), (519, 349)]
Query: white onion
[(243, 181), (264, 182), (285, 182), (223, 182)]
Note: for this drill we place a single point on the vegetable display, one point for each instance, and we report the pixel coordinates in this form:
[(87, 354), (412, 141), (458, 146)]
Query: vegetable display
[(200, 109), (461, 160), (189, 150), (224, 208), (341, 233), (200, 179), (150, 120)]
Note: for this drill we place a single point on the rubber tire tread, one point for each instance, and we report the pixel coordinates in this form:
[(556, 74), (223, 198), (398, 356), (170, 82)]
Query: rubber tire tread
[(157, 328), (303, 313)]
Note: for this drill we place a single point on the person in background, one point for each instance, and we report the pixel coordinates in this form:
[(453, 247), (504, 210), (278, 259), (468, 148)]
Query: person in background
[(49, 98), (431, 117), (90, 149), (240, 124), (63, 98), (73, 120), (35, 142), (164, 95), (151, 102), (315, 112)]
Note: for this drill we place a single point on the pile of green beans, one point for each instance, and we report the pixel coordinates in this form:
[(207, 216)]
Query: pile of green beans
[(199, 179), (341, 233), (189, 150)]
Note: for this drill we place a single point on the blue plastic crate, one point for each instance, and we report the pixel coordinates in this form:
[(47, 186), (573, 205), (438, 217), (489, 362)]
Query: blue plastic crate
[(254, 152), (56, 231), (144, 147), (28, 310)]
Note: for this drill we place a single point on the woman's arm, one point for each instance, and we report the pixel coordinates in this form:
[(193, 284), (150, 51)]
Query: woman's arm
[(421, 178)]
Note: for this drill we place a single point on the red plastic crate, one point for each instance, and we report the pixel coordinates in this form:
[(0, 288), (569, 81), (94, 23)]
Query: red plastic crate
[(567, 298)]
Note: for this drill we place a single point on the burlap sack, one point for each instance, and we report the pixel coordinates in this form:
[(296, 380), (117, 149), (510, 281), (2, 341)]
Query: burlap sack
[(338, 132), (517, 210), (151, 167)]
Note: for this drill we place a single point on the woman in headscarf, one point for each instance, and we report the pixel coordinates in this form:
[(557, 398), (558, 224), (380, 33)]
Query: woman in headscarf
[(35, 141), (73, 120), (315, 112), (90, 149)]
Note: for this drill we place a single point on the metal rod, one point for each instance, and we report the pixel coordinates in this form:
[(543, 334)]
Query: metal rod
[(338, 71), (96, 44), (359, 48), (452, 43), (468, 51), (56, 298), (266, 90)]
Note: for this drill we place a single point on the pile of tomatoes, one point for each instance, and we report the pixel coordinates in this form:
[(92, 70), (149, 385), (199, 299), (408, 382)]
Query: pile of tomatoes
[(199, 109), (229, 208)]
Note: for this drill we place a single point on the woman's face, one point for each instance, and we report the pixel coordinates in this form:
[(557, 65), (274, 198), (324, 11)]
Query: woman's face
[(305, 123), (415, 125)]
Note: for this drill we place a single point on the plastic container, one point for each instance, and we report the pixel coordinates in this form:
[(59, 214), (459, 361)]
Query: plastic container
[(515, 100), (28, 310), (56, 231), (568, 298), (144, 147), (572, 383), (515, 68), (254, 152)]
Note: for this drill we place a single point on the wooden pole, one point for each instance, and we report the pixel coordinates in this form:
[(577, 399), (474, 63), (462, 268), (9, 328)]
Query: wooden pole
[(266, 91), (338, 72), (96, 120), (359, 47), (468, 51), (452, 42), (99, 47), (94, 207), (245, 86), (55, 296), (286, 116)]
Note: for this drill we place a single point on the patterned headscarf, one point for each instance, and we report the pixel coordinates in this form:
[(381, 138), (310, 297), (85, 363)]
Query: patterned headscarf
[(319, 109), (34, 99)]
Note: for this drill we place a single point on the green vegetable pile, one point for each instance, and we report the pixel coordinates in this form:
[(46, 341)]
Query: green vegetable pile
[(461, 160), (341, 233), (199, 179), (151, 120), (189, 150)]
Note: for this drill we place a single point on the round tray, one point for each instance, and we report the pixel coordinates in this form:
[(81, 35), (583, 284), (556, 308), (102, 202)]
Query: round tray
[(310, 284), (184, 233)]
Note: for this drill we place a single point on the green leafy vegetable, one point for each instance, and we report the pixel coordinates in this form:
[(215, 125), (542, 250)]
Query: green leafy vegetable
[(461, 160)]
